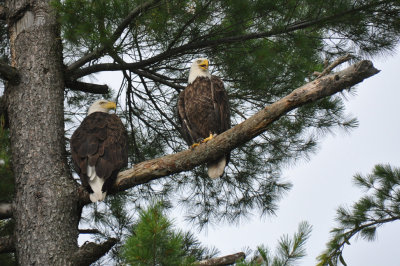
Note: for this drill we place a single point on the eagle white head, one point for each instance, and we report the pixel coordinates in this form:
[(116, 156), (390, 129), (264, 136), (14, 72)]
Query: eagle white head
[(199, 68), (101, 106)]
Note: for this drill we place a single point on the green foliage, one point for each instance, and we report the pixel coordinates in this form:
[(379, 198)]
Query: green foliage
[(288, 252), (91, 23), (379, 206), (154, 241), (262, 49), (6, 188), (6, 175)]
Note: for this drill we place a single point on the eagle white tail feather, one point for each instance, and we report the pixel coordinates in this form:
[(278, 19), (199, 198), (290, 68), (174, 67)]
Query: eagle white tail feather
[(96, 183), (91, 172), (216, 170)]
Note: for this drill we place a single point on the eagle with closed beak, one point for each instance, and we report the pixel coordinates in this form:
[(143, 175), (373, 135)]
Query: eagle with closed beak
[(99, 149)]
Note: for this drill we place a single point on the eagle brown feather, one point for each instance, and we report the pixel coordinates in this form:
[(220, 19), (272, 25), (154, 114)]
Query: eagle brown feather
[(203, 109), (100, 141)]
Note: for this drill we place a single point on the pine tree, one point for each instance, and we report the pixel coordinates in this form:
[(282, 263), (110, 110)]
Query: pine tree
[(263, 50), (155, 241), (288, 252), (379, 206)]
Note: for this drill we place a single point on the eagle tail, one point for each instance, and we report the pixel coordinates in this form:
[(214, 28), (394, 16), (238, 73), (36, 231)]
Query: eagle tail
[(216, 169), (96, 183)]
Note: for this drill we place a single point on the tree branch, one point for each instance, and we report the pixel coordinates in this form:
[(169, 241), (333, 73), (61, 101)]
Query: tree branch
[(335, 63), (89, 231), (114, 37), (91, 252), (3, 13), (5, 210), (212, 42), (349, 234), (158, 79), (87, 87), (3, 113), (225, 260), (8, 72), (156, 168), (6, 244)]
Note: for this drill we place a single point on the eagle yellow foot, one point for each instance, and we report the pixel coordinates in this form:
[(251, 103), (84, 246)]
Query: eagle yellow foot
[(208, 138), (194, 145)]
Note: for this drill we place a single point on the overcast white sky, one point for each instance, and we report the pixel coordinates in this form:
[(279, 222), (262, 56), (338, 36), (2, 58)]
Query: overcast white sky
[(325, 182)]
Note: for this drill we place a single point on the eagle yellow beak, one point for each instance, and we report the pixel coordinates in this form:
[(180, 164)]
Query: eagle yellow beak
[(204, 64), (110, 105)]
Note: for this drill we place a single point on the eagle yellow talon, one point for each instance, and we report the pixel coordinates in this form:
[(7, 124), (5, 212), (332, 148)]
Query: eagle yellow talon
[(208, 138), (194, 145)]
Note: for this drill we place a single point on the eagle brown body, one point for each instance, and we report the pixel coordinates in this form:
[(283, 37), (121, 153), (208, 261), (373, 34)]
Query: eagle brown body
[(99, 144), (203, 109)]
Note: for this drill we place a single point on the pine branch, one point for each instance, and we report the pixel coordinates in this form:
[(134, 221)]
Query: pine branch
[(5, 210), (75, 73), (91, 252), (114, 37), (157, 79), (225, 260), (6, 244), (89, 231), (144, 73), (334, 254), (87, 87), (3, 113), (8, 72), (186, 160), (3, 13)]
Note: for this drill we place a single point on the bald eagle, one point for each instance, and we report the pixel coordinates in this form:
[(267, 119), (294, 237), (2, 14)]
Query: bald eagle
[(204, 111), (99, 149)]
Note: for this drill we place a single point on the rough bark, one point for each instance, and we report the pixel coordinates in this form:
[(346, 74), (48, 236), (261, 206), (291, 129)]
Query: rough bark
[(225, 260), (45, 210), (90, 252)]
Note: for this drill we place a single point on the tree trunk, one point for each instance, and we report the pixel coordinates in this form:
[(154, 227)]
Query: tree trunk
[(46, 202)]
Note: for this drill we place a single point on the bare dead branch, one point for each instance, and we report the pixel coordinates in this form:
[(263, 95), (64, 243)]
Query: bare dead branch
[(6, 244), (91, 252), (5, 210), (335, 63), (114, 37), (8, 72), (255, 125), (89, 231), (225, 260), (87, 87)]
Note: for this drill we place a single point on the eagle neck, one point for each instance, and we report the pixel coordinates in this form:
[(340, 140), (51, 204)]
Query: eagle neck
[(197, 73), (94, 110)]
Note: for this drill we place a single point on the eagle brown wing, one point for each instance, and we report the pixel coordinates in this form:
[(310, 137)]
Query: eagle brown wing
[(221, 99), (203, 109), (183, 120), (100, 141)]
